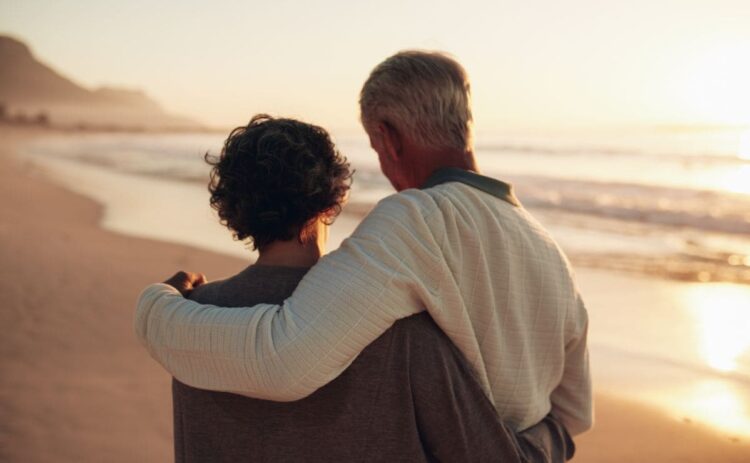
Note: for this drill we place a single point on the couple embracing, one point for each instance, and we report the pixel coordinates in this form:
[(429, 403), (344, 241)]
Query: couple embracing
[(447, 327)]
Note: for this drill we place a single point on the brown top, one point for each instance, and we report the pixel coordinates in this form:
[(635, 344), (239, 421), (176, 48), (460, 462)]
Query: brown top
[(409, 396)]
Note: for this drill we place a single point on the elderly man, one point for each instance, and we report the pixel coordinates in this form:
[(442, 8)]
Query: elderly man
[(451, 241)]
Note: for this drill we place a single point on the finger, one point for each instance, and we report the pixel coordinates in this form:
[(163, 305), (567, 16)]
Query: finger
[(200, 280), (194, 278), (178, 279), (182, 282)]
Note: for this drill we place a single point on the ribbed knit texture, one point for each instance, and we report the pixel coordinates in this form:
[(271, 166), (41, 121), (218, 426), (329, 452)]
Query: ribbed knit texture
[(488, 273)]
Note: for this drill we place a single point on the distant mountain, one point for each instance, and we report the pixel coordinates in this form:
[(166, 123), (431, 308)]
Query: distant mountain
[(29, 86)]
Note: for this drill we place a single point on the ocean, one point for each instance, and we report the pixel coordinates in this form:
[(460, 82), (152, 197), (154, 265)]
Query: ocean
[(672, 203), (665, 211)]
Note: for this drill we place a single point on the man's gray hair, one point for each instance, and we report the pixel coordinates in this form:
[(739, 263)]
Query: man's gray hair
[(424, 95)]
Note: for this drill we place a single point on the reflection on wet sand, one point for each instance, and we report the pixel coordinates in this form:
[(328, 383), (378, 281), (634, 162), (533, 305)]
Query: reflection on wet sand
[(719, 403), (722, 318), (721, 315), (683, 348)]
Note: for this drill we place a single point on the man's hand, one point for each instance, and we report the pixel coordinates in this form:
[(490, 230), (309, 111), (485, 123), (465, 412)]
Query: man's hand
[(186, 282)]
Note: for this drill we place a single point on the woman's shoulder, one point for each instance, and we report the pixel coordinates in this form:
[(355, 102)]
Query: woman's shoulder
[(257, 284)]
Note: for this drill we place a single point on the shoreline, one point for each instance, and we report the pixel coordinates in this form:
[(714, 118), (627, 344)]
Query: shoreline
[(74, 364), (75, 383), (153, 207)]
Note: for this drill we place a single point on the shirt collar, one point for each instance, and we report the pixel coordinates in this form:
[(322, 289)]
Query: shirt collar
[(489, 185)]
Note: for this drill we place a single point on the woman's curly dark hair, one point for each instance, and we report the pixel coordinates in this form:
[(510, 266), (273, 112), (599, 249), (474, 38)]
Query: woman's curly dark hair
[(274, 177)]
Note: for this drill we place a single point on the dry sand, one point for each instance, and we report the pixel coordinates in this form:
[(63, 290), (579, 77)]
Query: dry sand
[(76, 386)]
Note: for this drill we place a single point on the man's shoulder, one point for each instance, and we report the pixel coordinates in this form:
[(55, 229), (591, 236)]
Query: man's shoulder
[(460, 195), (415, 203), (407, 211), (406, 202)]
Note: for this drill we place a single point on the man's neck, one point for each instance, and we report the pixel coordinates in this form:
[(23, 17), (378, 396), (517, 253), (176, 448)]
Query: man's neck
[(430, 160)]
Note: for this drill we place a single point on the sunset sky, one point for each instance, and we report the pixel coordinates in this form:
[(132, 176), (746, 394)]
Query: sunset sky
[(532, 63)]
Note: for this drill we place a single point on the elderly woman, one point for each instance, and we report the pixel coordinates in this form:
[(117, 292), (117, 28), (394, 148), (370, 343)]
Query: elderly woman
[(409, 396)]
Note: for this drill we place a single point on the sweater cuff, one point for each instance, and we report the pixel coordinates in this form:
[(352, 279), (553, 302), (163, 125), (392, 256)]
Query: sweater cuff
[(144, 307)]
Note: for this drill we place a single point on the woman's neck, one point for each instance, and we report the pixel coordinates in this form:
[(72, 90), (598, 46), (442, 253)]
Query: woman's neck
[(292, 253), (289, 254)]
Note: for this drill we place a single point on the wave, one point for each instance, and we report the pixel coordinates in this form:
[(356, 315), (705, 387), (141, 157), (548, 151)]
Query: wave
[(181, 159), (696, 267), (675, 207), (609, 152)]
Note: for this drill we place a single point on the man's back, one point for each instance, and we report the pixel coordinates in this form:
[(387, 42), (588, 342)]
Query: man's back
[(520, 310), (408, 397)]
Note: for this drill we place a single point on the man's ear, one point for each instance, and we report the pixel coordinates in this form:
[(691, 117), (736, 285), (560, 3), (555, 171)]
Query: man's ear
[(391, 140)]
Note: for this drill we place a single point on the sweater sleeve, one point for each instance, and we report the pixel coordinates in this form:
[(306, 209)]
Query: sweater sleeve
[(388, 269), (572, 399)]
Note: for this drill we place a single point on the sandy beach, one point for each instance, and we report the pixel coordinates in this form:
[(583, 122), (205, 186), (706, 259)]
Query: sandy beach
[(75, 385)]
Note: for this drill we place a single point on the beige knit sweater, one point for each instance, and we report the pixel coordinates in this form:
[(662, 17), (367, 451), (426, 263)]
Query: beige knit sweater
[(487, 272)]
